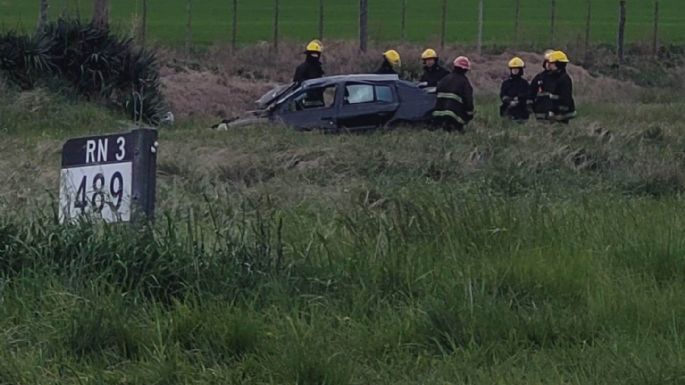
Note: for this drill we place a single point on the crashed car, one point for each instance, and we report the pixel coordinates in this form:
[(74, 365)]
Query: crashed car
[(345, 103)]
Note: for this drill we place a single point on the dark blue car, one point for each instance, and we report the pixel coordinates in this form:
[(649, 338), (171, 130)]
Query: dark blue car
[(344, 103)]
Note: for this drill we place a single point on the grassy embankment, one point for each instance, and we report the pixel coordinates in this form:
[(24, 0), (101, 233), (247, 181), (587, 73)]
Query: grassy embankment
[(509, 255)]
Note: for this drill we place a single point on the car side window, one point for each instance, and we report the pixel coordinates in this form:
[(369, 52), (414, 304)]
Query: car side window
[(384, 94), (358, 93), (313, 98), (365, 93)]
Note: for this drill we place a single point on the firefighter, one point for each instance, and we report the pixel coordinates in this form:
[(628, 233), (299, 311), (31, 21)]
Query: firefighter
[(454, 104), (433, 72), (538, 101), (391, 63), (311, 68), (514, 93), (563, 107)]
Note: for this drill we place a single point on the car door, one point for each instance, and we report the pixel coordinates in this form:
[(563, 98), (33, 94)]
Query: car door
[(310, 109), (366, 106)]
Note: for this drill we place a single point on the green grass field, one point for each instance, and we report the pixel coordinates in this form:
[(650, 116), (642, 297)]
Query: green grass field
[(299, 19), (528, 254)]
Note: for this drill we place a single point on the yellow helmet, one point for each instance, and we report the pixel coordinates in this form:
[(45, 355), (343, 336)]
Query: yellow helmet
[(314, 46), (429, 54), (517, 62), (547, 53), (393, 57), (558, 57)]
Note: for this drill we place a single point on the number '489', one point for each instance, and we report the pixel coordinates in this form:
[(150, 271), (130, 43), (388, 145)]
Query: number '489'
[(100, 189)]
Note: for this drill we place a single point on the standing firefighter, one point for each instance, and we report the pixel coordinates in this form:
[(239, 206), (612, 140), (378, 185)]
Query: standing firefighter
[(391, 63), (454, 105), (538, 100), (514, 93), (563, 107), (311, 68), (432, 70)]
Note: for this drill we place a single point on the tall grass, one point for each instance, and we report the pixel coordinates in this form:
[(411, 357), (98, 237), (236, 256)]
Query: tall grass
[(509, 255), (578, 292)]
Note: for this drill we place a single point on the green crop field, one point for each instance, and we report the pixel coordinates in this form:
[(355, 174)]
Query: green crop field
[(299, 19)]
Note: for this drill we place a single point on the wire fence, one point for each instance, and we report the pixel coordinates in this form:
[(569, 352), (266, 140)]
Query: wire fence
[(479, 23)]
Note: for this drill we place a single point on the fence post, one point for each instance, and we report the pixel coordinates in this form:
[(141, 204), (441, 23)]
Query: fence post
[(234, 27), (588, 22), (363, 24), (517, 20), (143, 27), (321, 18), (621, 29), (480, 26), (404, 20), (443, 25), (189, 27), (276, 16), (42, 15), (553, 21), (655, 36)]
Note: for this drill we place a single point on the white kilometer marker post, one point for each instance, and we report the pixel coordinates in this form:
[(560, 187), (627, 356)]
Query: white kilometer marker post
[(110, 177)]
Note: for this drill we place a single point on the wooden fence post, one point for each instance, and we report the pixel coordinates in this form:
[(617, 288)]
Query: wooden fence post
[(234, 27), (189, 27), (404, 20), (443, 25), (42, 15), (553, 22), (363, 24), (276, 16), (321, 19), (517, 20), (655, 36), (143, 26), (588, 23), (621, 30), (480, 26)]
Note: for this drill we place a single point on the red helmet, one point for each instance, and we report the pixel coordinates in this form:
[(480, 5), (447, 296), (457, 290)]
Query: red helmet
[(462, 62)]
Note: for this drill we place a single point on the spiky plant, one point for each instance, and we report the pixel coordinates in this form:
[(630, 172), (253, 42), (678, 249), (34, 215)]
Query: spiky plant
[(23, 59), (96, 63)]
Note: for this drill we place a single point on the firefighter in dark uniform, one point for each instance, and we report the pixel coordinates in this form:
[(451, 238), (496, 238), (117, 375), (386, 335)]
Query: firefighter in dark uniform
[(514, 93), (311, 68), (433, 72), (391, 63), (538, 100), (563, 107), (454, 104)]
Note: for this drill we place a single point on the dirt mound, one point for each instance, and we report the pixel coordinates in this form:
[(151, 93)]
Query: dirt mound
[(489, 72), (205, 94), (226, 84)]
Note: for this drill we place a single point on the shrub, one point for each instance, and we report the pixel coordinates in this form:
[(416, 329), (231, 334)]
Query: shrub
[(95, 63)]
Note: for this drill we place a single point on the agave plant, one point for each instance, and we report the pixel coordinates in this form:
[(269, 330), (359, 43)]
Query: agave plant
[(24, 60), (96, 63), (140, 76)]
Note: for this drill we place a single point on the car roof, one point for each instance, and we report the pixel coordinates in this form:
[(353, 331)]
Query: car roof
[(348, 78)]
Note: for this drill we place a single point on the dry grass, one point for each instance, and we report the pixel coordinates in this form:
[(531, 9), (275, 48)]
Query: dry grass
[(219, 83)]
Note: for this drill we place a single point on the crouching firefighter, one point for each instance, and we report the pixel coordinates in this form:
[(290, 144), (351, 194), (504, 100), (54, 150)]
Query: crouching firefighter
[(539, 102), (454, 104), (514, 93), (432, 70), (563, 107)]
